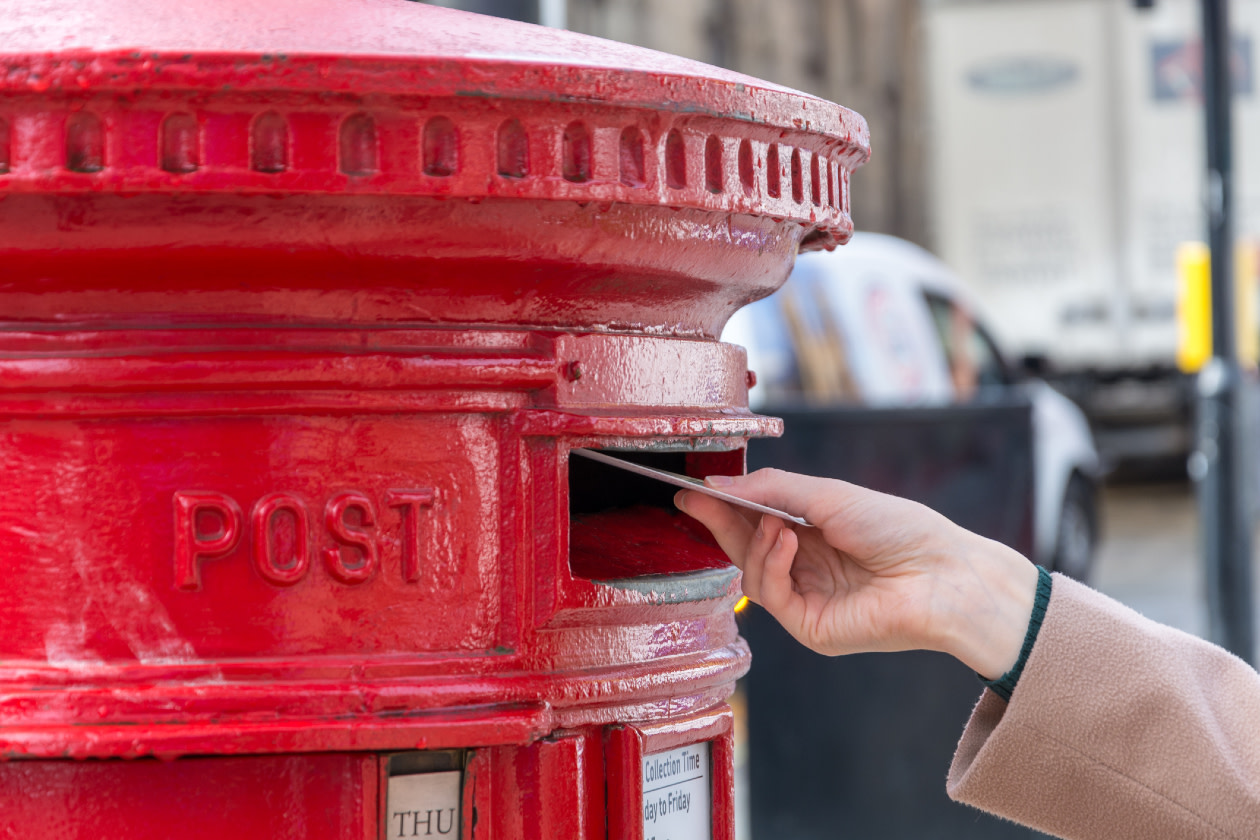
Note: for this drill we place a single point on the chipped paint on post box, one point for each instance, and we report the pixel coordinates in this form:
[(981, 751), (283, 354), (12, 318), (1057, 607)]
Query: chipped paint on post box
[(305, 305)]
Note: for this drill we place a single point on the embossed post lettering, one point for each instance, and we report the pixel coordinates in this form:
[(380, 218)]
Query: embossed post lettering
[(210, 524), (190, 544), (361, 536), (265, 560), (409, 503)]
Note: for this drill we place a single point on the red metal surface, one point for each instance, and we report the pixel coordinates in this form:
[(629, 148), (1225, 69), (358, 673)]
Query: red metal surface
[(303, 307)]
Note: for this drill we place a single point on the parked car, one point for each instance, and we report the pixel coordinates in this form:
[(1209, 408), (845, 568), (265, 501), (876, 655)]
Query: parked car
[(881, 322)]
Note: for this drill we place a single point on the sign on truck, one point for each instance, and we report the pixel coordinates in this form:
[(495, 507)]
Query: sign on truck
[(1068, 168)]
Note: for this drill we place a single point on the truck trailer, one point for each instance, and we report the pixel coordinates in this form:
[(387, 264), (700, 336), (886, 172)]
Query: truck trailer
[(1068, 167)]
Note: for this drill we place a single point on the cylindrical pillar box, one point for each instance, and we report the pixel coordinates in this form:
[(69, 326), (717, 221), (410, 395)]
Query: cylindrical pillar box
[(305, 305)]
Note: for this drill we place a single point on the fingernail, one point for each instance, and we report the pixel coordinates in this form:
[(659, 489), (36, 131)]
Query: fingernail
[(761, 527), (680, 500), (778, 543), (719, 481)]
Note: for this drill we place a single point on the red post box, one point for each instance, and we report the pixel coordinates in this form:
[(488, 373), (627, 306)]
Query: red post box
[(305, 305)]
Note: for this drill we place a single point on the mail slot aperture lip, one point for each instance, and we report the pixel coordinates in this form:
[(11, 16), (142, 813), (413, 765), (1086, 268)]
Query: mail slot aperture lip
[(624, 526), (658, 590)]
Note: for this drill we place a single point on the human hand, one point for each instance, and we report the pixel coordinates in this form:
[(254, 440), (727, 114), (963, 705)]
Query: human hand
[(877, 573)]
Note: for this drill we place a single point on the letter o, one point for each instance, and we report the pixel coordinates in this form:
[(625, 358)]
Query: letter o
[(264, 560)]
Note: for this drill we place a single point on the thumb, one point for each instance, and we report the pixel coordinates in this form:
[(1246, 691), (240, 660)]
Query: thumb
[(799, 495)]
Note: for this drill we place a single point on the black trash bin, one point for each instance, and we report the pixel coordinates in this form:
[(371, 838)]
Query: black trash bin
[(857, 747)]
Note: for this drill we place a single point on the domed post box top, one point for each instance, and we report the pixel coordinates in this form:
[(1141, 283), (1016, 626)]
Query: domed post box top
[(468, 169)]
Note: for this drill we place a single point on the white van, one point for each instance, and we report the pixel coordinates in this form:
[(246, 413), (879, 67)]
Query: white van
[(881, 322)]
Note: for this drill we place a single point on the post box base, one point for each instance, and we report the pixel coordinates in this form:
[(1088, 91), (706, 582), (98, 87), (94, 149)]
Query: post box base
[(622, 779)]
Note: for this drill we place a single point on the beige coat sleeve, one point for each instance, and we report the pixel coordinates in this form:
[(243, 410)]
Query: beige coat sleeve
[(1119, 728)]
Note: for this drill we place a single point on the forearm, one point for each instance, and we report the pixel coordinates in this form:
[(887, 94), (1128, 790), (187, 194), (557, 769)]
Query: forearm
[(983, 604)]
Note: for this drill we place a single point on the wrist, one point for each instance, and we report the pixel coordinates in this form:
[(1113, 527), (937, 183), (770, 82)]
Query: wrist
[(990, 601)]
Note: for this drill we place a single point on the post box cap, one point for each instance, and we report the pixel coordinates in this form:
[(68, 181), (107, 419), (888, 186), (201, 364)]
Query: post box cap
[(333, 102)]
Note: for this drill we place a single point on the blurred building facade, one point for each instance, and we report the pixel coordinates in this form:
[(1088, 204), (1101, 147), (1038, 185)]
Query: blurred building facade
[(865, 54)]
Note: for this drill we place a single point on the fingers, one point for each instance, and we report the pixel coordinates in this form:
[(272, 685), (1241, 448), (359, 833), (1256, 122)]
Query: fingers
[(731, 530), (872, 526), (760, 545), (777, 591), (768, 574), (764, 552), (791, 492)]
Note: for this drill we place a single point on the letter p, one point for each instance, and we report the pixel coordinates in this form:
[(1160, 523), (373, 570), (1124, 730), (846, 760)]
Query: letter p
[(193, 511)]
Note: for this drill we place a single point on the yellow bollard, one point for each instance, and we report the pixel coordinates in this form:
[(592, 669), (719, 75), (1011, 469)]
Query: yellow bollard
[(1194, 306)]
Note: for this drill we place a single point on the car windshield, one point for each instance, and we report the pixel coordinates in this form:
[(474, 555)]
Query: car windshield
[(974, 362)]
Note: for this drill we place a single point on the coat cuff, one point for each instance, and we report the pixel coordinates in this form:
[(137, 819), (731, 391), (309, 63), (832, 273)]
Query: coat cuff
[(1121, 728)]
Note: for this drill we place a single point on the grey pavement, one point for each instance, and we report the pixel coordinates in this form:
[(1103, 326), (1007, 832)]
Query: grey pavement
[(1149, 557)]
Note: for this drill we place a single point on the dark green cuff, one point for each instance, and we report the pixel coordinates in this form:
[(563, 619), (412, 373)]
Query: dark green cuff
[(1004, 686)]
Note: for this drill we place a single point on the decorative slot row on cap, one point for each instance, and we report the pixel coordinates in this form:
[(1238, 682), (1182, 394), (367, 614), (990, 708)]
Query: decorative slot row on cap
[(269, 143), (358, 153), (644, 158), (576, 153), (440, 148), (747, 174), (513, 150), (713, 174), (675, 160), (773, 186), (181, 144), (633, 166), (798, 188), (85, 143), (815, 181)]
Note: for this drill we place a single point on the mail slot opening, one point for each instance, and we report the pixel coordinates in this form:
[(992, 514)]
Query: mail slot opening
[(427, 761), (623, 525)]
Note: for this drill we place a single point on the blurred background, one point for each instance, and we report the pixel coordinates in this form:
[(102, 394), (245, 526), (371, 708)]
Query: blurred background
[(1013, 336)]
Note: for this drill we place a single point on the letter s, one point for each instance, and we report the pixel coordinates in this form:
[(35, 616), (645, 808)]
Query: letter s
[(351, 536)]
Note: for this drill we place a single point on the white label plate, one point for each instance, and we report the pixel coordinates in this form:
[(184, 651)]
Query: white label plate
[(423, 805), (677, 795)]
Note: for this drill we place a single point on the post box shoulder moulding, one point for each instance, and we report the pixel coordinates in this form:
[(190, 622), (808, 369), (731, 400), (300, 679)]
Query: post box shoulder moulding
[(305, 304)]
